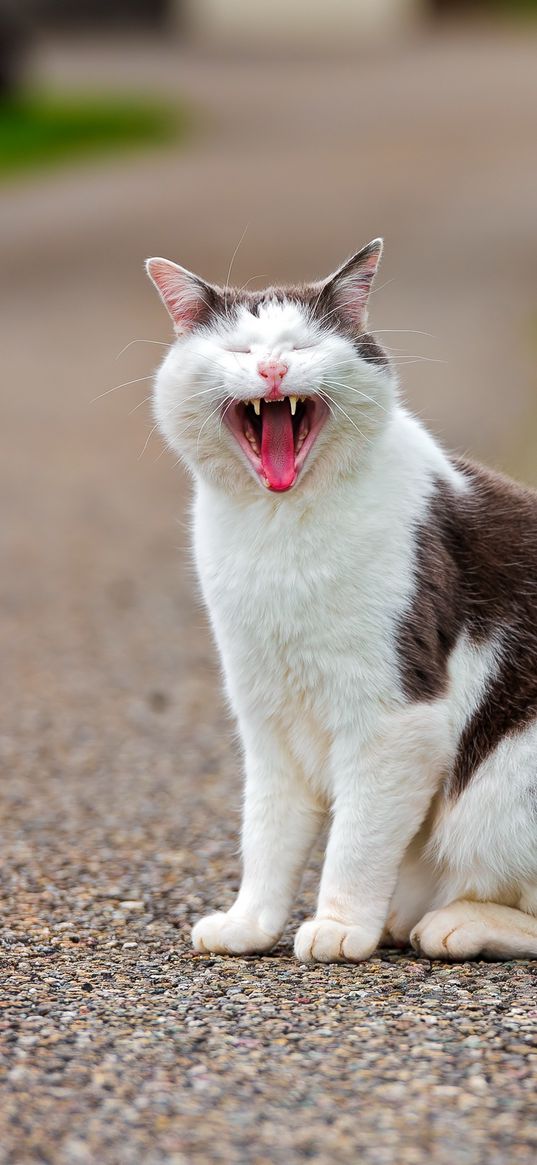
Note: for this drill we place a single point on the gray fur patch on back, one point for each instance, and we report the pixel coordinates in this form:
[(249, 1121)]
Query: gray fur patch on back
[(476, 571)]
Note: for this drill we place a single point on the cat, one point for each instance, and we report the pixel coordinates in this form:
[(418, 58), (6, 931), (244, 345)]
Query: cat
[(374, 602)]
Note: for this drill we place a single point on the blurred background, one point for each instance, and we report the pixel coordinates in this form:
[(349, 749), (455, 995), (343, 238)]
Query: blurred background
[(277, 137)]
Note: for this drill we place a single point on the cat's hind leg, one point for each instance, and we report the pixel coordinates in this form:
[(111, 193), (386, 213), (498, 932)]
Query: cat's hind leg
[(484, 841), (468, 929)]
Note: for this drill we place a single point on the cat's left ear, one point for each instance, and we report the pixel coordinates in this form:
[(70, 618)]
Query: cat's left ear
[(349, 287), (187, 298)]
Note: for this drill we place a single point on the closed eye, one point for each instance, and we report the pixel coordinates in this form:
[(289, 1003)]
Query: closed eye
[(239, 348)]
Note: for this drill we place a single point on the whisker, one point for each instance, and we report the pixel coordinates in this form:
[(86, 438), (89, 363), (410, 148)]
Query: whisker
[(407, 331), (263, 275), (185, 428), (223, 415), (147, 440), (381, 286), (139, 405), (118, 386), (140, 341), (333, 311), (169, 412), (399, 351), (314, 307), (211, 414), (358, 391), (183, 401), (332, 413), (417, 360), (230, 268), (338, 406), (348, 302), (165, 449)]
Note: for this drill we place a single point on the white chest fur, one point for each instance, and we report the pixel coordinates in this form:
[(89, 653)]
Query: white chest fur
[(305, 595)]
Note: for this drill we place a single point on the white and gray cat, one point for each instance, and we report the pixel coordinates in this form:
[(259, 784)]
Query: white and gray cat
[(374, 601)]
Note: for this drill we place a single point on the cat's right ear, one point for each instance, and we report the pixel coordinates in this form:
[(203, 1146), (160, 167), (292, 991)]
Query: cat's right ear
[(187, 298)]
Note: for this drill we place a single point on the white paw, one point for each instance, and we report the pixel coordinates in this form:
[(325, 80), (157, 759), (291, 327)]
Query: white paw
[(454, 932), (227, 934), (322, 940)]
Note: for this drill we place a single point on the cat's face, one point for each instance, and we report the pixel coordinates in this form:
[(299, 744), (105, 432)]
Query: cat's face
[(265, 389)]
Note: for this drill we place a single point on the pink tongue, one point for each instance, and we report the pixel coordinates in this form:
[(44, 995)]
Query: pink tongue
[(277, 445)]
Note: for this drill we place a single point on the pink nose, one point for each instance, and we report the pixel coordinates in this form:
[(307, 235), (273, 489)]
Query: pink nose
[(273, 371)]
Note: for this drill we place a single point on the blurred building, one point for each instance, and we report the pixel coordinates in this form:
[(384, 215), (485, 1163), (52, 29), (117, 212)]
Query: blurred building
[(298, 23)]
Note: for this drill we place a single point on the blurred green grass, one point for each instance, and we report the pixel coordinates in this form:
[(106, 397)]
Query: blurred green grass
[(514, 8), (517, 5), (41, 130)]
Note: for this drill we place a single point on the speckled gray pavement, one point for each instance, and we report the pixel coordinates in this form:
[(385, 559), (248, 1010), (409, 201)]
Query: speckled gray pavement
[(120, 784)]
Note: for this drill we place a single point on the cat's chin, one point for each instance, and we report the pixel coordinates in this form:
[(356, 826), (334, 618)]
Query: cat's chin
[(277, 435)]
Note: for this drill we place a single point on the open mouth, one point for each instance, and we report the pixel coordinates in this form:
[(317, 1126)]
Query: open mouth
[(277, 435)]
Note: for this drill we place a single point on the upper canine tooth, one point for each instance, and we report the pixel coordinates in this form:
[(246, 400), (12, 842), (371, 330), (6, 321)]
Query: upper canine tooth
[(257, 405), (292, 402)]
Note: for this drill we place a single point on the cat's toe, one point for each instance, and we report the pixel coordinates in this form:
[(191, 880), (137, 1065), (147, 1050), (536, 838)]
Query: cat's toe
[(323, 940), (226, 934), (449, 933)]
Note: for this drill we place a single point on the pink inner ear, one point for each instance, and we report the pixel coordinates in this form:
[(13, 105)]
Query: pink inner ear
[(352, 286), (181, 293), (353, 294)]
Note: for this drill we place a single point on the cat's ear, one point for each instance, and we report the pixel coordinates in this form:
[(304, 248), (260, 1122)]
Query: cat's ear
[(188, 298), (349, 287)]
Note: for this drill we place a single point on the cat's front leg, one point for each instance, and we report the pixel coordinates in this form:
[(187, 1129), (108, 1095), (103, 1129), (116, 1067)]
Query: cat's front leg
[(381, 796), (280, 823)]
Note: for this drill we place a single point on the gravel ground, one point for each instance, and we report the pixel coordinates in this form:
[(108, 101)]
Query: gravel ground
[(120, 1045), (121, 787)]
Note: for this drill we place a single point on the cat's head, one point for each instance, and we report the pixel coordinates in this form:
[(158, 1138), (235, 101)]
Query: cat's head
[(278, 389)]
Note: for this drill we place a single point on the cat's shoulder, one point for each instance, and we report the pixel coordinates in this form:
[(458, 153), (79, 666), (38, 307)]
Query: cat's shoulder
[(491, 508), (489, 486)]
